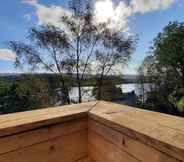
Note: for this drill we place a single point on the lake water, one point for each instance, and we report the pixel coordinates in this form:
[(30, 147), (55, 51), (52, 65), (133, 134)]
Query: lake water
[(87, 96)]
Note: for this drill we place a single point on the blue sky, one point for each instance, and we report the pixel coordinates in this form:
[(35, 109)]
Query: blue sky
[(17, 17)]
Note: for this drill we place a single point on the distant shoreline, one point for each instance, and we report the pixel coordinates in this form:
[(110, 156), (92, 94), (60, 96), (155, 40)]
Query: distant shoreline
[(89, 80)]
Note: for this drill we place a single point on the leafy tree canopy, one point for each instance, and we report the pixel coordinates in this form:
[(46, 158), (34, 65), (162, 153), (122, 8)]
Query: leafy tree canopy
[(28, 93), (169, 48)]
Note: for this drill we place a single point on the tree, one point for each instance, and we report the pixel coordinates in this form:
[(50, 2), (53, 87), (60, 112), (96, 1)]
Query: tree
[(169, 49), (84, 37), (109, 92), (94, 42), (4, 88), (165, 70), (146, 75), (115, 51), (180, 105), (47, 49), (141, 80), (28, 93), (73, 48), (169, 54)]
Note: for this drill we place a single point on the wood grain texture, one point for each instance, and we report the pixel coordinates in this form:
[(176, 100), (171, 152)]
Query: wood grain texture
[(67, 148), (142, 152), (18, 122), (91, 132), (163, 132), (86, 159), (22, 140), (102, 150)]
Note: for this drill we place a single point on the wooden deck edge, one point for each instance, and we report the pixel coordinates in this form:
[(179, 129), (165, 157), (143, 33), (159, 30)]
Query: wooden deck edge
[(20, 122), (162, 132)]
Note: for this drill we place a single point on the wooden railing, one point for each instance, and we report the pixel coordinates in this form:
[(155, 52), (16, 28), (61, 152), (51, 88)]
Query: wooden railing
[(91, 132)]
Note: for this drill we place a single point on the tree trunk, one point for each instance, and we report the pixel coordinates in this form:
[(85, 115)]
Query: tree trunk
[(80, 94), (79, 85), (99, 92), (65, 91), (143, 94), (100, 84), (78, 77), (183, 77)]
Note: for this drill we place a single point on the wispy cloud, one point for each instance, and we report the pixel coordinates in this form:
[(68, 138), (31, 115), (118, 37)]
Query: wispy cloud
[(8, 55), (31, 2), (143, 6), (116, 14), (49, 14), (28, 17)]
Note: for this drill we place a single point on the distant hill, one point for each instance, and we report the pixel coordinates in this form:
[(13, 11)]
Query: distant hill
[(12, 77), (130, 78)]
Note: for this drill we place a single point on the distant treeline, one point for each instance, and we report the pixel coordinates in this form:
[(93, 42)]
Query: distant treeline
[(89, 80), (34, 91)]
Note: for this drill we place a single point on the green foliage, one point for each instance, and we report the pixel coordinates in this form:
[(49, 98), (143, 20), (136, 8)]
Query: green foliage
[(109, 92), (27, 94), (46, 48), (180, 105), (4, 88), (168, 49), (165, 70), (75, 48)]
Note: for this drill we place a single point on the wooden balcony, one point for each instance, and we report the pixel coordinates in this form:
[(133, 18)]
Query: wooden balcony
[(91, 132)]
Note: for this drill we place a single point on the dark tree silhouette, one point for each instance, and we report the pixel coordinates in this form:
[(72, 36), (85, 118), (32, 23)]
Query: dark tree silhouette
[(115, 51), (47, 49)]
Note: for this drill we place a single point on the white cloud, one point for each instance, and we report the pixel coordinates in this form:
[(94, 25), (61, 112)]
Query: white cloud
[(144, 6), (28, 16), (49, 14), (31, 2), (116, 14), (6, 54)]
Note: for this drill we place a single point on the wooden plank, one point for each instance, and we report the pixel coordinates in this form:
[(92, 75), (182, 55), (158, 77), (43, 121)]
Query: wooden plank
[(18, 122), (124, 134), (67, 148), (86, 159), (139, 150), (164, 138), (103, 151), (44, 111), (144, 115), (18, 141), (95, 155)]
